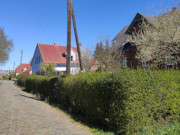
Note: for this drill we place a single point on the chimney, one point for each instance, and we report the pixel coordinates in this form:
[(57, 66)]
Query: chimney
[(55, 44)]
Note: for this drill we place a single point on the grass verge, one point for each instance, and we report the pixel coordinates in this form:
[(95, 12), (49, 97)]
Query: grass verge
[(169, 129)]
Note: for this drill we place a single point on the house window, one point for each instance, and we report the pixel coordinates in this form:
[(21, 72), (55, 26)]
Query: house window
[(60, 65), (37, 60), (115, 41), (124, 62), (72, 58), (143, 61), (137, 38), (169, 60)]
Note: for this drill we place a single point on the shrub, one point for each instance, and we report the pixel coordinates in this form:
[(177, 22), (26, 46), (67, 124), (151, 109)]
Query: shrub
[(127, 101), (5, 77), (42, 85), (20, 79)]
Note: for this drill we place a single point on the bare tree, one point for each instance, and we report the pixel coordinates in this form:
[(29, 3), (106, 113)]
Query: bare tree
[(6, 46), (160, 42), (87, 58), (109, 58)]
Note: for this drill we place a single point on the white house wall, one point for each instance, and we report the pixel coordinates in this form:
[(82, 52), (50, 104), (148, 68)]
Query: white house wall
[(74, 70), (36, 66), (73, 54)]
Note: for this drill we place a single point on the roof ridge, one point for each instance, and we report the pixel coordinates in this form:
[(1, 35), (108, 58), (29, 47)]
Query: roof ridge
[(53, 45)]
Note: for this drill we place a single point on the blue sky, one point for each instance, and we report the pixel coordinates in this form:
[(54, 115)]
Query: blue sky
[(28, 22)]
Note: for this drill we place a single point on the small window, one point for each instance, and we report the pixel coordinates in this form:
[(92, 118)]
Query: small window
[(169, 60), (137, 38), (115, 41), (60, 65), (124, 62), (37, 60), (72, 58), (143, 62)]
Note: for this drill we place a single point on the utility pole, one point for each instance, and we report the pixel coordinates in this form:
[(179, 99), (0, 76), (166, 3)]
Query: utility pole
[(77, 38), (68, 57), (21, 62), (13, 71)]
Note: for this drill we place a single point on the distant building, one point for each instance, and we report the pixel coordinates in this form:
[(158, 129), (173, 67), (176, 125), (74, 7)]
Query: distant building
[(5, 72), (122, 42), (25, 67), (95, 65), (54, 54)]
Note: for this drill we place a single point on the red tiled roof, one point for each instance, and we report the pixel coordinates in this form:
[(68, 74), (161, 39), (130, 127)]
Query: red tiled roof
[(29, 69), (23, 66), (53, 53)]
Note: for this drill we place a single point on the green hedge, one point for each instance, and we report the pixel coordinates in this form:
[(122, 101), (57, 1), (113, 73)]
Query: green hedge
[(20, 79), (42, 85), (128, 101)]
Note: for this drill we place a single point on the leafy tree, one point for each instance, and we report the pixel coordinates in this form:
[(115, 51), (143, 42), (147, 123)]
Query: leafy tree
[(47, 67), (6, 46), (99, 50), (160, 42)]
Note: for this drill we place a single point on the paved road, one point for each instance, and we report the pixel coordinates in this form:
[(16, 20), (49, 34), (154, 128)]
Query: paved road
[(22, 114)]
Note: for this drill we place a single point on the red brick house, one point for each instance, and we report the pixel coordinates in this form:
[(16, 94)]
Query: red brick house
[(122, 43), (129, 49), (25, 67)]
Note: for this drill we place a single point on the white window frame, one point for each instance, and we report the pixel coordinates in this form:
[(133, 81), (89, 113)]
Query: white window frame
[(124, 62), (143, 62)]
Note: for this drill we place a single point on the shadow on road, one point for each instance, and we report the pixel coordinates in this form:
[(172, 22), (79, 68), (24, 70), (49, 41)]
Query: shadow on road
[(27, 97)]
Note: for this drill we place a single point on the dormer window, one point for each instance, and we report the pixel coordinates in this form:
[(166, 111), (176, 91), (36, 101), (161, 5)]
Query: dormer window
[(125, 42)]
